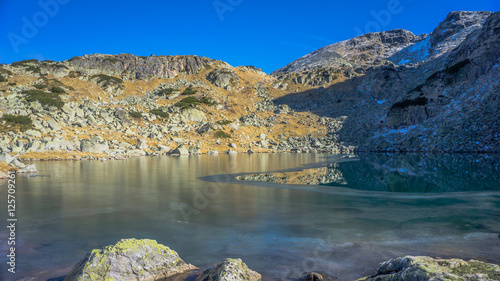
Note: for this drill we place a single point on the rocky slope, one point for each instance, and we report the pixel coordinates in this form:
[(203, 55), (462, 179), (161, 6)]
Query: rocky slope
[(82, 109)]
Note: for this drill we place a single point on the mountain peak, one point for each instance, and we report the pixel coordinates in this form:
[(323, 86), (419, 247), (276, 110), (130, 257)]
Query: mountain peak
[(399, 45), (368, 49)]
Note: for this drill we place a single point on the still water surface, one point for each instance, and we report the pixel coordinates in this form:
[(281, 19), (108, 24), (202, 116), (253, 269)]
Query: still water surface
[(437, 205)]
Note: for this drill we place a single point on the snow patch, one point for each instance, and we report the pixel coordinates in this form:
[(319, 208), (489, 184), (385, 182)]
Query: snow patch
[(403, 62)]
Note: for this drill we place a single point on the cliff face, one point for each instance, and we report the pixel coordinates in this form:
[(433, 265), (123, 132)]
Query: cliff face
[(136, 67), (443, 39)]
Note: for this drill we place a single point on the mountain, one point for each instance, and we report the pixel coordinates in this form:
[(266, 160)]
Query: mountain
[(386, 91), (437, 92), (398, 46)]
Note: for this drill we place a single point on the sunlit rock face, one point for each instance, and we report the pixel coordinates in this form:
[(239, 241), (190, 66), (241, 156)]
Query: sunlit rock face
[(129, 259), (427, 268)]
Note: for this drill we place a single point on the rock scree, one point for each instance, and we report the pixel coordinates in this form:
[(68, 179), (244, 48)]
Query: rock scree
[(129, 259)]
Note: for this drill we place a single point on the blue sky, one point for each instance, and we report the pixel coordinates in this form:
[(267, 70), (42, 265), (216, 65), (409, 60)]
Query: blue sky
[(266, 34)]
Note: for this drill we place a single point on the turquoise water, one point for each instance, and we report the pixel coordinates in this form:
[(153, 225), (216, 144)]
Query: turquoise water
[(437, 205)]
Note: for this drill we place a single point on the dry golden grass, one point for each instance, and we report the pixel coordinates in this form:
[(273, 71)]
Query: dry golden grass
[(57, 155), (303, 177), (4, 167)]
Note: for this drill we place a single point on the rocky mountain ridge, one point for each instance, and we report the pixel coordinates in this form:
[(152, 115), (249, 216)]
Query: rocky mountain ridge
[(440, 103), (398, 46)]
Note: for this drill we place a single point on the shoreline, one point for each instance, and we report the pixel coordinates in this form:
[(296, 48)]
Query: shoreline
[(82, 156)]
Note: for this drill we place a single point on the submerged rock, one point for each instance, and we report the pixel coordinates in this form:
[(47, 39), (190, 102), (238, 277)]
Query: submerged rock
[(317, 276), (129, 259), (229, 270), (427, 268)]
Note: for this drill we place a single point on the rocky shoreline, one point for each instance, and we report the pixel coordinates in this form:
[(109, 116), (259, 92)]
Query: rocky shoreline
[(146, 260)]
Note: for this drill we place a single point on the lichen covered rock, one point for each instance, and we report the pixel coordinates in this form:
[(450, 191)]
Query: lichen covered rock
[(430, 269), (223, 78), (193, 115), (229, 270), (129, 259)]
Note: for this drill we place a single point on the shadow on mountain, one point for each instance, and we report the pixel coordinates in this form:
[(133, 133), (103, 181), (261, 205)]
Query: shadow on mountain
[(361, 113)]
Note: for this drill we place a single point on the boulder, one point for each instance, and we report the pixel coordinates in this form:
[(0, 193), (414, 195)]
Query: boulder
[(194, 150), (193, 115), (6, 158), (17, 164), (129, 259), (427, 268), (163, 149), (229, 270), (213, 152), (180, 150), (94, 146), (33, 133), (317, 276), (223, 77), (142, 144), (28, 169), (54, 125), (135, 153)]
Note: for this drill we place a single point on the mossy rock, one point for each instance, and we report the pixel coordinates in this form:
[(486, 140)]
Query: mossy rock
[(229, 270), (129, 259), (431, 269)]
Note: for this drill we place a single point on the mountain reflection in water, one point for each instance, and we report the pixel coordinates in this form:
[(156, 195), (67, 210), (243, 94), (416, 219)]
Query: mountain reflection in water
[(398, 173)]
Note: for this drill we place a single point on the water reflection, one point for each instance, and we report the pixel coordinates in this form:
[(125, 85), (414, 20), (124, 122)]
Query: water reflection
[(279, 232), (397, 173), (423, 173)]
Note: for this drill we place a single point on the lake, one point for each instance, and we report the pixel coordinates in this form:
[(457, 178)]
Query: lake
[(385, 206)]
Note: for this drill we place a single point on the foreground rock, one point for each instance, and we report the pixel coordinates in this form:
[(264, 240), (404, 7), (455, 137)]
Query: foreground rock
[(427, 268), (129, 259), (229, 270), (317, 276)]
